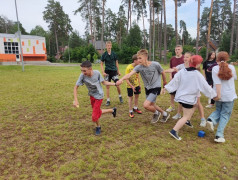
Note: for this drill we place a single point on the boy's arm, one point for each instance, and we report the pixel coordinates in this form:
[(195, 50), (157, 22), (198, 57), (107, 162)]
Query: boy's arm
[(76, 103), (127, 76), (102, 68), (164, 78), (106, 83), (117, 65), (170, 70)]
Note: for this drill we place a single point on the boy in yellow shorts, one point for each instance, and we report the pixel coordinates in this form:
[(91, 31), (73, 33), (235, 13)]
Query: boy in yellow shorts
[(133, 86)]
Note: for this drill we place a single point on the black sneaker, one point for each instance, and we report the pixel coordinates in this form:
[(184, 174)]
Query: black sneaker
[(121, 100), (188, 123), (114, 113), (165, 118), (108, 103), (98, 131), (174, 134)]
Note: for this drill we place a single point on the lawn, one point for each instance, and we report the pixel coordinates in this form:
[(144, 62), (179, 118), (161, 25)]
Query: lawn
[(42, 136)]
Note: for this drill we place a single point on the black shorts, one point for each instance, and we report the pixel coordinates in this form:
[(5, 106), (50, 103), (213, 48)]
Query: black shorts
[(173, 93), (111, 75), (187, 106), (130, 91)]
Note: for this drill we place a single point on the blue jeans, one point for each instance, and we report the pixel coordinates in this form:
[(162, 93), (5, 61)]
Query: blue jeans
[(221, 115)]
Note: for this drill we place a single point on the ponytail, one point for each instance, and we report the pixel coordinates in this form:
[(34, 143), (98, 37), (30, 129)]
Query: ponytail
[(225, 72)]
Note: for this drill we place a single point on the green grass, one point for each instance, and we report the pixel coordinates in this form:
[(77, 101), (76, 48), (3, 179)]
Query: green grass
[(43, 137)]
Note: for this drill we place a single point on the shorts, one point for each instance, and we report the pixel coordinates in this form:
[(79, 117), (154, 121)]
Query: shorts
[(151, 94), (130, 91), (96, 105), (173, 93), (111, 75), (187, 106)]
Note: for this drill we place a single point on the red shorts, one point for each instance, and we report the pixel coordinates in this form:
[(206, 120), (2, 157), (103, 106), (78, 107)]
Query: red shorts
[(96, 105)]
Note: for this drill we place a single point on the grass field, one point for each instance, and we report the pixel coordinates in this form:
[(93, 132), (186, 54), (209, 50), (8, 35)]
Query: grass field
[(43, 137)]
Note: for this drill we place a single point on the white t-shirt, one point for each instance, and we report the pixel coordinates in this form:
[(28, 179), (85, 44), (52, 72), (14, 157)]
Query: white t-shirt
[(187, 85), (228, 91)]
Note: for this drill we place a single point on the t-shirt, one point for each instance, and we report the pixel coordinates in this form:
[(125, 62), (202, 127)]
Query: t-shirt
[(110, 61), (206, 66), (93, 84), (228, 91), (150, 74), (188, 83), (175, 62), (134, 79), (179, 67)]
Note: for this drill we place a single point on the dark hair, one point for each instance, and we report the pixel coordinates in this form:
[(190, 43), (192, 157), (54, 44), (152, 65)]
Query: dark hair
[(86, 64), (134, 57), (225, 72), (210, 54)]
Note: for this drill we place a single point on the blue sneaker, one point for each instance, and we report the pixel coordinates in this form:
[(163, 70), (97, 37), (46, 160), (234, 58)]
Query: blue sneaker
[(174, 134), (98, 131)]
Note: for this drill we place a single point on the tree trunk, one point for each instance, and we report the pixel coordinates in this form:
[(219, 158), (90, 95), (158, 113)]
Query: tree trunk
[(233, 26), (150, 35), (153, 40), (236, 38), (158, 45), (102, 39), (176, 20), (161, 31), (144, 28), (209, 29), (198, 26), (130, 13), (165, 35), (56, 41)]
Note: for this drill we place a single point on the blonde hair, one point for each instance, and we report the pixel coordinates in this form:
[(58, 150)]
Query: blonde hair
[(179, 46), (142, 52), (108, 42)]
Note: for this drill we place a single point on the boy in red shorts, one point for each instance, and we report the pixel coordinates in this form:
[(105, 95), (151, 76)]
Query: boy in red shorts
[(93, 79)]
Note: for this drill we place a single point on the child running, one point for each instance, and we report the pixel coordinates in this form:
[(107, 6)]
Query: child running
[(133, 86), (93, 79), (187, 83), (187, 58), (223, 77), (151, 75)]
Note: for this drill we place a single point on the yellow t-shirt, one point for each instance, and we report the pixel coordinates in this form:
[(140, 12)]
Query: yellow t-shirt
[(134, 79)]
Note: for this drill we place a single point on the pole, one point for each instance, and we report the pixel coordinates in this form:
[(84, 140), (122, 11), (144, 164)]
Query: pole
[(68, 49), (19, 35)]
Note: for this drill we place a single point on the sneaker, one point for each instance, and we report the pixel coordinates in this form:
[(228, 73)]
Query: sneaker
[(209, 125), (210, 106), (165, 118), (137, 110), (98, 131), (188, 123), (170, 109), (121, 100), (131, 114), (114, 113), (108, 103), (203, 123), (219, 139), (174, 134), (155, 118), (177, 116)]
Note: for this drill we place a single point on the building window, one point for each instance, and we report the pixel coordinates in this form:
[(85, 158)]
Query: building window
[(11, 48)]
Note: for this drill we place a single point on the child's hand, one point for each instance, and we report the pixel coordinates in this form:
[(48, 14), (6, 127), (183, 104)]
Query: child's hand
[(76, 104), (163, 91)]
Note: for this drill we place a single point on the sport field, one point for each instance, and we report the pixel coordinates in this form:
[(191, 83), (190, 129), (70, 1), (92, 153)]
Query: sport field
[(42, 136)]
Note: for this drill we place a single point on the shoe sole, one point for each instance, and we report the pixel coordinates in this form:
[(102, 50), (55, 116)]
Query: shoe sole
[(165, 119), (175, 137), (189, 126), (209, 126), (153, 122), (219, 141), (176, 118)]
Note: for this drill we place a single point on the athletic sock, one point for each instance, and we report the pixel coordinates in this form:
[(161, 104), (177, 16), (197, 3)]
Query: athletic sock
[(135, 107), (164, 113), (130, 111), (156, 112), (119, 95), (108, 99)]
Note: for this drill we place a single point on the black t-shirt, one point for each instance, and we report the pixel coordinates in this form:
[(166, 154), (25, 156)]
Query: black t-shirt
[(206, 65)]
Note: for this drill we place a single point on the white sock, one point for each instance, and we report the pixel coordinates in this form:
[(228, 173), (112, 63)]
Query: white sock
[(130, 111), (135, 107), (119, 95), (108, 99), (164, 113), (156, 112)]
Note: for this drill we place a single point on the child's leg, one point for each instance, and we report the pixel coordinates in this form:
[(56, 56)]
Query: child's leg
[(130, 102), (136, 99), (225, 114), (187, 114), (107, 91), (97, 112), (172, 99), (200, 109), (106, 111)]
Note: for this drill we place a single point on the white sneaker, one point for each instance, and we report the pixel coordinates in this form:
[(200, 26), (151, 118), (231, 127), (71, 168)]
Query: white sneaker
[(210, 126), (209, 106), (177, 116), (203, 123), (170, 109), (219, 140)]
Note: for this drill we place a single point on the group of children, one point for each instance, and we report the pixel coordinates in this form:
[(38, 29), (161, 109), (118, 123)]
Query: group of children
[(185, 86)]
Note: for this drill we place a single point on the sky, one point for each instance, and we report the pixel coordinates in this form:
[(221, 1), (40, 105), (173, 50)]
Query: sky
[(30, 13)]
